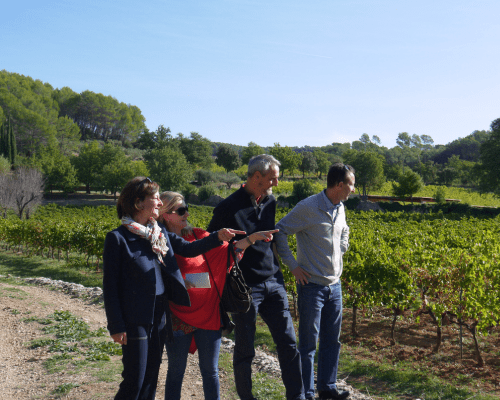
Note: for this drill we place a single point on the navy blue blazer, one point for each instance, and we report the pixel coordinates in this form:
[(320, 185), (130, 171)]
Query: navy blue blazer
[(129, 279)]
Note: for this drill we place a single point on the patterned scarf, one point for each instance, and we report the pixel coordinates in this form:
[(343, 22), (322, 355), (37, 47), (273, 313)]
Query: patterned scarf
[(151, 232)]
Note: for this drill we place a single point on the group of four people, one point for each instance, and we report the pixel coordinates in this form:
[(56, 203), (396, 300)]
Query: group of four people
[(154, 297)]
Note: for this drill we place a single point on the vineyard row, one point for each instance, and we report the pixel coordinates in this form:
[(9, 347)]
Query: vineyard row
[(444, 266)]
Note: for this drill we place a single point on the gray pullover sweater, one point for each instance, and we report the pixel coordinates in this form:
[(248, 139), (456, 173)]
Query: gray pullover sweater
[(322, 238)]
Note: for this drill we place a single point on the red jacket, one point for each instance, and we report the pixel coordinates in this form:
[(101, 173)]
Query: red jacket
[(204, 311)]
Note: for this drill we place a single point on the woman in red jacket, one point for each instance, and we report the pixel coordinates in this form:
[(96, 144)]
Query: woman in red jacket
[(198, 326)]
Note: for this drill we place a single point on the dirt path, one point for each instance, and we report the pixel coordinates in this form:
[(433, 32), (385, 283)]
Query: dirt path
[(22, 374)]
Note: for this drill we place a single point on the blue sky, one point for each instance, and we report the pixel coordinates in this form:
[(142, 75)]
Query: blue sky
[(294, 72)]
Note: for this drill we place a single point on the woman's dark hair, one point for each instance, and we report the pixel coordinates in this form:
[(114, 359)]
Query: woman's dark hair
[(135, 190), (337, 173)]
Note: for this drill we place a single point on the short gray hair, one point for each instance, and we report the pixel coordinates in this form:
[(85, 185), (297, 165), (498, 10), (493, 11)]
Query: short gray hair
[(262, 163)]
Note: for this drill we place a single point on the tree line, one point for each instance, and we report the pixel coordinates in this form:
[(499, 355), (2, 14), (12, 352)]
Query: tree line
[(93, 140)]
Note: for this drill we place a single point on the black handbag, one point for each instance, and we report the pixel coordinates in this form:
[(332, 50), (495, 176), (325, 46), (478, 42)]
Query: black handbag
[(237, 295)]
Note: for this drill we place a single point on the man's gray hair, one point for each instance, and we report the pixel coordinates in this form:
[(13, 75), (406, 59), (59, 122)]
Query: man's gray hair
[(262, 163)]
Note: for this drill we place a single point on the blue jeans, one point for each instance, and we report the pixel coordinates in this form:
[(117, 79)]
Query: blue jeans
[(270, 301), (208, 343), (320, 309)]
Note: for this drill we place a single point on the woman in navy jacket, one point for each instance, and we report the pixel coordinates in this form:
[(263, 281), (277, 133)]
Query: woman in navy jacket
[(140, 277)]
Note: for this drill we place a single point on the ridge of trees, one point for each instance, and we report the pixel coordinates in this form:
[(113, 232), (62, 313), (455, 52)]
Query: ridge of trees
[(95, 140)]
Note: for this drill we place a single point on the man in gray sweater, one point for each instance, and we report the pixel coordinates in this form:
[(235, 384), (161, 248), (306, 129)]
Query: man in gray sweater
[(322, 234)]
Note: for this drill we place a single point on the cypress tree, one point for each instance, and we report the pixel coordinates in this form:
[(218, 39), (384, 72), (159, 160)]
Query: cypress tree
[(12, 144), (2, 140)]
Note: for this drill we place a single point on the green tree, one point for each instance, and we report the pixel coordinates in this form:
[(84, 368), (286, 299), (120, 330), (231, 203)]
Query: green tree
[(447, 175), (227, 158), (427, 141), (197, 149), (463, 171), (168, 166), (336, 149), (11, 143), (409, 183), (365, 139), (32, 111), (156, 140), (103, 117), (253, 149), (139, 168), (322, 161), (288, 158), (403, 140), (116, 169), (8, 146), (468, 148), (490, 166), (203, 176), (308, 163), (3, 141), (393, 172), (369, 168), (229, 179), (67, 135), (115, 175), (58, 171), (358, 145), (88, 164), (428, 171)]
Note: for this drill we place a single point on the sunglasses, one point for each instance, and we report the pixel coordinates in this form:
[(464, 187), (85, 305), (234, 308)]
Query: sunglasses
[(180, 211), (148, 180)]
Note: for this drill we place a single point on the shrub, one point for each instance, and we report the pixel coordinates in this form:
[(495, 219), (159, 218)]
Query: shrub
[(206, 191), (440, 195), (203, 176), (188, 190), (229, 178), (302, 189), (4, 165)]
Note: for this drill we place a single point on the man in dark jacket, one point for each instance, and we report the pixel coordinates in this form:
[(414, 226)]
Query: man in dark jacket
[(252, 208)]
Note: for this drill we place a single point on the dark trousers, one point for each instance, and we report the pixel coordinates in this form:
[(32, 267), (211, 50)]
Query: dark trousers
[(142, 357), (270, 301)]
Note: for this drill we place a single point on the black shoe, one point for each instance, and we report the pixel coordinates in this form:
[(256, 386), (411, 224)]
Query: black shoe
[(309, 398), (333, 394)]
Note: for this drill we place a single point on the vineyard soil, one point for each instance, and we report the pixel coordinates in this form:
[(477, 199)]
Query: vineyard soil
[(22, 372), (414, 345)]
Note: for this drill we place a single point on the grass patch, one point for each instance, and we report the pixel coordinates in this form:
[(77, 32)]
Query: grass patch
[(401, 380), (64, 388), (13, 293), (263, 337), (36, 266), (265, 387), (75, 345), (106, 371), (41, 321), (226, 365)]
